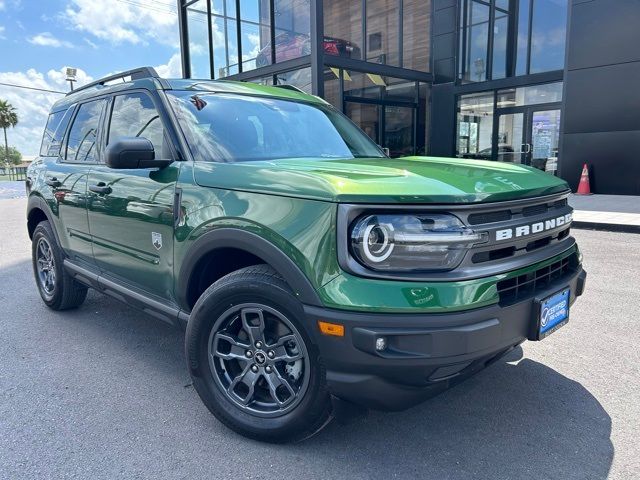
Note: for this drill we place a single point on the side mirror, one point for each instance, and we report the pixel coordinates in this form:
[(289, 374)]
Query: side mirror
[(133, 152)]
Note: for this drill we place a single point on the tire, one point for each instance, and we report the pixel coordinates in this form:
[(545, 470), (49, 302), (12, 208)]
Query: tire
[(279, 400), (58, 289)]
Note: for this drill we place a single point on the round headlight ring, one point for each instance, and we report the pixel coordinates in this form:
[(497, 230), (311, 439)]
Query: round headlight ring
[(381, 250)]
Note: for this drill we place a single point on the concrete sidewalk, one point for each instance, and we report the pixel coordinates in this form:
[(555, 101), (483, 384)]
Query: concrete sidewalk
[(619, 213)]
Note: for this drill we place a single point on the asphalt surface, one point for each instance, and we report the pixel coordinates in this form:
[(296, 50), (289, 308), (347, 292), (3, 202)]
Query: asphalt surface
[(103, 392)]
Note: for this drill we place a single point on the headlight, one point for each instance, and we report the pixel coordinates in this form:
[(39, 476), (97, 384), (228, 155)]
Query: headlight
[(406, 243)]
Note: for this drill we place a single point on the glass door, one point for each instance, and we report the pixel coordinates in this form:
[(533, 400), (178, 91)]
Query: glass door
[(510, 140), (527, 135), (388, 124), (367, 116), (399, 126), (544, 139), (387, 109)]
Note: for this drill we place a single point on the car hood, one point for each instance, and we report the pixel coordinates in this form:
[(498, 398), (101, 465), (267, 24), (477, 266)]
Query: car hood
[(382, 180)]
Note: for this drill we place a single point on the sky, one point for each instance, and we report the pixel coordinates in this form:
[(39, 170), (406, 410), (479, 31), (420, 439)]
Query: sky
[(40, 38)]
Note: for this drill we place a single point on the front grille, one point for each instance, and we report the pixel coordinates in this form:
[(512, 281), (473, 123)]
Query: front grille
[(529, 284), (534, 210), (489, 217)]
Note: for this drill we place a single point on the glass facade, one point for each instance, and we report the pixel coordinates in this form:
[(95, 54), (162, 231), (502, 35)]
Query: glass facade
[(519, 125), (505, 38), (508, 41), (541, 35), (392, 111), (388, 32), (292, 29), (198, 39), (270, 42), (531, 95), (374, 58), (224, 41), (475, 125)]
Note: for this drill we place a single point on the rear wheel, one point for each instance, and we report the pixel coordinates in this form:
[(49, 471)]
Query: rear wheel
[(252, 363), (58, 289)]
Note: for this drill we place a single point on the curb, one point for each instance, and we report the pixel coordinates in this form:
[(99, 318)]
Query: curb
[(606, 227)]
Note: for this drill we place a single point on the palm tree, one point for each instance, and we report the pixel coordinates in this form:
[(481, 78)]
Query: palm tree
[(8, 118)]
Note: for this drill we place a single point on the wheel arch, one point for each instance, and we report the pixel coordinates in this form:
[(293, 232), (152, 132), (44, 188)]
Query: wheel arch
[(250, 246), (38, 211)]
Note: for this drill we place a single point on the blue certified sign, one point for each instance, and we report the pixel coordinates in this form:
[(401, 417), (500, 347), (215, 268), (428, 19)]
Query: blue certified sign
[(554, 312)]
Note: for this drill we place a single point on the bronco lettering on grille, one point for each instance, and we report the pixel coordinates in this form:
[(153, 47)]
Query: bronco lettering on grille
[(524, 230)]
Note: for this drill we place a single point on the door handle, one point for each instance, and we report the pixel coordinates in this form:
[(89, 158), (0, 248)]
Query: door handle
[(53, 182), (527, 147), (101, 188)]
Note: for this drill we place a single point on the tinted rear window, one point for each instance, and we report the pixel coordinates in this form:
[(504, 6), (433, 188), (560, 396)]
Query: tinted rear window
[(54, 132), (81, 144)]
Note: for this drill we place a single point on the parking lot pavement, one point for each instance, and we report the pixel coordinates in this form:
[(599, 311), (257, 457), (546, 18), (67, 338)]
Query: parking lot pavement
[(11, 190), (103, 392)]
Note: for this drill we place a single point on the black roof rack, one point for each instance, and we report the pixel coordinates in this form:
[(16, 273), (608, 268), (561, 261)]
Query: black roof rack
[(135, 74)]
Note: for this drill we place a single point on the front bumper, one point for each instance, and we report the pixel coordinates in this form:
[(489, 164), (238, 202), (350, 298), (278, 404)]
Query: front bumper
[(425, 354)]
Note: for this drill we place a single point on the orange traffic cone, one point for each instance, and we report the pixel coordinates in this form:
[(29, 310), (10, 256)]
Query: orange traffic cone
[(583, 186)]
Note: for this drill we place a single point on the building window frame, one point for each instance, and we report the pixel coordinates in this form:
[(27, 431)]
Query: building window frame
[(463, 32), (514, 66)]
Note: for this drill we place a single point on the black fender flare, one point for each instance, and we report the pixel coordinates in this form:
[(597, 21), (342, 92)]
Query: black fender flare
[(38, 202), (225, 237)]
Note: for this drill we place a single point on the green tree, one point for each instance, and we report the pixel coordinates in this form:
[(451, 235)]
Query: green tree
[(15, 157), (8, 118)]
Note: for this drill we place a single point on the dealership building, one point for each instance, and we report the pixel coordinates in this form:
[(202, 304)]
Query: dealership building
[(548, 83)]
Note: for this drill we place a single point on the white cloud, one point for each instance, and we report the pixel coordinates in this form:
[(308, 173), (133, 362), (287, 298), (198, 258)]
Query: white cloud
[(121, 22), (13, 3), (2, 30), (172, 69), (90, 43), (46, 39), (33, 106)]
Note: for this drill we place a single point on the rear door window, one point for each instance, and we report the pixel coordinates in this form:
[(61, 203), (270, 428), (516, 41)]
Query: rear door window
[(83, 136), (54, 132)]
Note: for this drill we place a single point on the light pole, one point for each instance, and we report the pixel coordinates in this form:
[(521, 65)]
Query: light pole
[(71, 76)]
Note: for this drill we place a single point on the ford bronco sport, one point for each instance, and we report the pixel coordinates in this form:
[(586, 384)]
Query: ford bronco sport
[(305, 265)]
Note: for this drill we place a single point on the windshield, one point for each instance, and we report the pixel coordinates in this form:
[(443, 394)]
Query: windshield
[(234, 128)]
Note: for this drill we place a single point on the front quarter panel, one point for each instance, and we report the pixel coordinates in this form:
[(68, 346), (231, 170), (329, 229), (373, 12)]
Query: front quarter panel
[(302, 229)]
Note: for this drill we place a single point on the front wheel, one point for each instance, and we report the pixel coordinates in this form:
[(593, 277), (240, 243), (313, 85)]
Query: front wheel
[(251, 361)]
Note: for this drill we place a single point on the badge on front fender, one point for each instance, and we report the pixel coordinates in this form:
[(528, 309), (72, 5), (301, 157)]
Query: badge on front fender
[(156, 240)]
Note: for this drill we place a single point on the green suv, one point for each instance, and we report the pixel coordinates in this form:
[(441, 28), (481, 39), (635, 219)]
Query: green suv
[(307, 268)]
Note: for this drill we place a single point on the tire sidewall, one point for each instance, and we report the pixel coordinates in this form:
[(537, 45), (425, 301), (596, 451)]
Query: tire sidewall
[(205, 313), (43, 230)]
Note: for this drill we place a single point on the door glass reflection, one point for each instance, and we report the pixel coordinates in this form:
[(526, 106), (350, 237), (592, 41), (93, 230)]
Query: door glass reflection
[(366, 116), (398, 130), (545, 135), (511, 146)]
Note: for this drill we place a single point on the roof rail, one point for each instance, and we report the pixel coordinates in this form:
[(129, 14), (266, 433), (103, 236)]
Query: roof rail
[(135, 74), (291, 87)]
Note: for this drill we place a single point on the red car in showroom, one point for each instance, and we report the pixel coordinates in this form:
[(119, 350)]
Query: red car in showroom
[(293, 45)]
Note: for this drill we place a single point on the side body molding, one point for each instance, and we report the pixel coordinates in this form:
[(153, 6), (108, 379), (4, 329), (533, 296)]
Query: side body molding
[(251, 243)]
